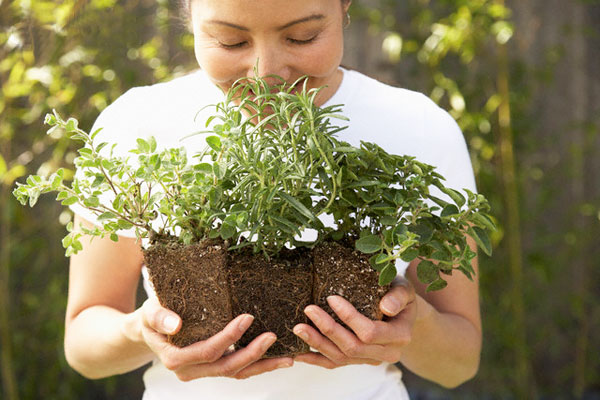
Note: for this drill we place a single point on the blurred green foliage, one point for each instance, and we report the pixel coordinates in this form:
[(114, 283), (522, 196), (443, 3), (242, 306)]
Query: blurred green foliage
[(453, 50), (78, 56)]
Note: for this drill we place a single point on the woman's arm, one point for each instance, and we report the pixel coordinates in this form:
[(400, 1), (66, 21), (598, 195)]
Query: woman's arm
[(100, 336), (105, 335), (446, 338), (436, 335)]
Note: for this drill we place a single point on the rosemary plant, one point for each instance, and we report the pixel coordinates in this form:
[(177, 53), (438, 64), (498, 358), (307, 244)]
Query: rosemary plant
[(272, 166)]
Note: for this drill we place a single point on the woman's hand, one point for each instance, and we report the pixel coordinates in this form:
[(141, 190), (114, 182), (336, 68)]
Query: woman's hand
[(369, 342), (210, 357)]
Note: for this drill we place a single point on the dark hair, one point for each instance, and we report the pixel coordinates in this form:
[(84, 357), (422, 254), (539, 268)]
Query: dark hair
[(185, 8)]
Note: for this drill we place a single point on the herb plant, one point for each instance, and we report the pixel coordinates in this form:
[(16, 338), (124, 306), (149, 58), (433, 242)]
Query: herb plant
[(272, 165)]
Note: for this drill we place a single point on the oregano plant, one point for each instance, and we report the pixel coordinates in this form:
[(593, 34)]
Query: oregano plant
[(273, 164)]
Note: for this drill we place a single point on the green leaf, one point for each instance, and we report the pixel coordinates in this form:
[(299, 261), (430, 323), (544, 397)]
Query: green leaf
[(105, 216), (219, 169), (285, 225), (387, 275), (50, 119), (409, 254), (152, 144), (204, 167), (114, 237), (298, 206), (388, 220), (143, 146), (455, 195), (67, 240), (214, 142), (85, 152), (227, 231), (34, 180), (369, 244), (70, 201), (438, 201), (437, 285), (485, 221), (123, 224), (71, 125), (481, 238), (449, 210), (398, 199), (424, 230), (76, 245), (375, 265), (427, 272), (345, 149), (62, 195), (92, 201)]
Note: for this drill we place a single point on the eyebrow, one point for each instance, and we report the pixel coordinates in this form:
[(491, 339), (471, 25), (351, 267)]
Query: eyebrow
[(313, 17)]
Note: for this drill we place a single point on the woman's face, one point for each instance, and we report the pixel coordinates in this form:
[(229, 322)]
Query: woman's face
[(281, 37)]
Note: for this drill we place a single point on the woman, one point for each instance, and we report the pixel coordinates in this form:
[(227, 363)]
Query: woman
[(435, 335)]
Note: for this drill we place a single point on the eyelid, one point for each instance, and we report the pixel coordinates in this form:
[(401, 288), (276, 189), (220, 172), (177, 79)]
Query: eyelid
[(232, 46), (291, 40), (298, 41)]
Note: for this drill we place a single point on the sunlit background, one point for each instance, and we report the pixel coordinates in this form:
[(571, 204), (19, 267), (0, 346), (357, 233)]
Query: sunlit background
[(522, 79)]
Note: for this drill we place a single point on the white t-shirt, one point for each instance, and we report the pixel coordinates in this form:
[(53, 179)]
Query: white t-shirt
[(399, 120)]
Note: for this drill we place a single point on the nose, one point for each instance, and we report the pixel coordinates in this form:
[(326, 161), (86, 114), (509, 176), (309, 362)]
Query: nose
[(269, 60)]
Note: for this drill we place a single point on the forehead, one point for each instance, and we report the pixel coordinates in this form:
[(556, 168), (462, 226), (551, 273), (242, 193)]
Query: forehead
[(263, 13)]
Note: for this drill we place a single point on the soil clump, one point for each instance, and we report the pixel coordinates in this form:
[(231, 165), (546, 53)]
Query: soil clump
[(275, 292), (340, 270), (208, 286), (192, 281)]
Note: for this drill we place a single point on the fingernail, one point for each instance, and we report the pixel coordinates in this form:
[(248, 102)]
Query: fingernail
[(268, 342), (333, 301), (312, 314), (170, 323), (300, 333), (245, 323), (391, 306)]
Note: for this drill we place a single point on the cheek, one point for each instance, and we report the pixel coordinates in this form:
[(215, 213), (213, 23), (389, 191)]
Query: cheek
[(219, 65), (321, 59)]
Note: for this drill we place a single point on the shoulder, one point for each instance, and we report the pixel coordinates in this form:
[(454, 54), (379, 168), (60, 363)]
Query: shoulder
[(408, 120), (375, 95), (179, 90), (165, 110)]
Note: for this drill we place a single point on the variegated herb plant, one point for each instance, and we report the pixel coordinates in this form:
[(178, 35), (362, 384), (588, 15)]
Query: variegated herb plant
[(272, 166)]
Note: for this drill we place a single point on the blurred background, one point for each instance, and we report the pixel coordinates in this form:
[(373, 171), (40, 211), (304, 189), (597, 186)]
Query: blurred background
[(521, 77)]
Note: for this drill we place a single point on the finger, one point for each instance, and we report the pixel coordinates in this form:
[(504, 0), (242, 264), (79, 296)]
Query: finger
[(367, 330), (316, 359), (160, 319), (322, 361), (345, 340), (320, 343), (401, 294), (211, 349), (262, 366), (231, 364)]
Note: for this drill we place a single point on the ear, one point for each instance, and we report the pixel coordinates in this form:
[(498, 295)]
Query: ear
[(346, 5)]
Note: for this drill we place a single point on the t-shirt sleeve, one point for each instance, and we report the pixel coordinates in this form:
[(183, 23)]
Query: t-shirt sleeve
[(449, 151), (117, 127)]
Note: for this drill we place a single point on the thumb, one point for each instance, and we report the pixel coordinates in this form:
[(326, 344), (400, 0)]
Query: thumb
[(161, 319)]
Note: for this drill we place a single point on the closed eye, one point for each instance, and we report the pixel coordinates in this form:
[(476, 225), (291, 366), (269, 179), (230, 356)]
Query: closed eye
[(307, 41), (233, 46)]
